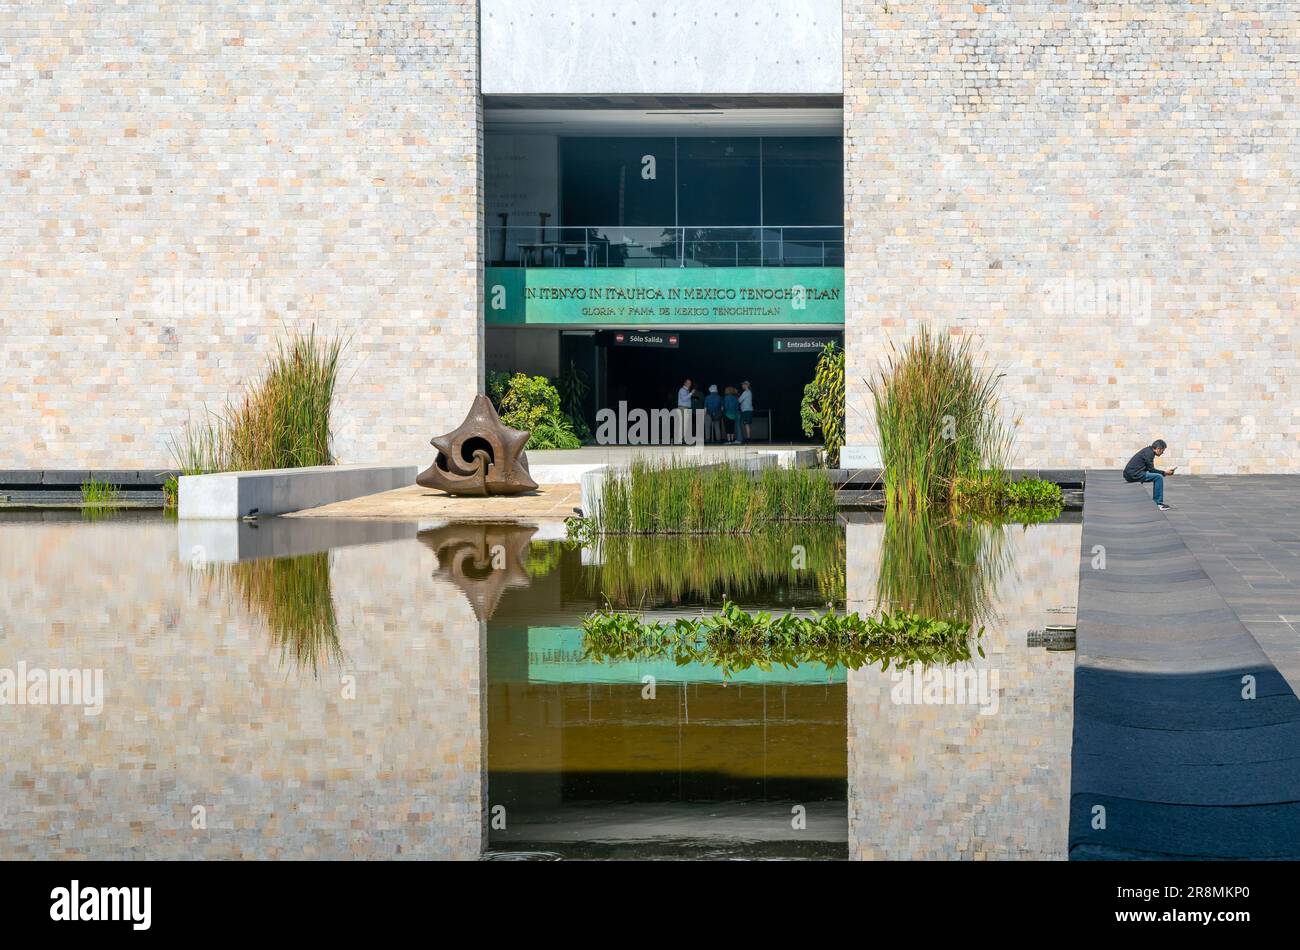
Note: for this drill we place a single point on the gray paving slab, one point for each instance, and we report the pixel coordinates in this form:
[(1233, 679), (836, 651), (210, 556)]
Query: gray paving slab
[(1186, 731), (1138, 830)]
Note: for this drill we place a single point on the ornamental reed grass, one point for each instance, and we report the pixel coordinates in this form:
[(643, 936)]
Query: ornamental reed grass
[(280, 421), (938, 418), (100, 494), (675, 497)]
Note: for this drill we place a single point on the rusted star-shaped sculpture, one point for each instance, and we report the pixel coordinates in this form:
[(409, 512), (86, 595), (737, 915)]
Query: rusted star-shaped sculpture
[(481, 457)]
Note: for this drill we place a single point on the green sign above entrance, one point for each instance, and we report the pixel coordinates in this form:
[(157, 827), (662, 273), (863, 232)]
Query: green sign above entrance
[(680, 296)]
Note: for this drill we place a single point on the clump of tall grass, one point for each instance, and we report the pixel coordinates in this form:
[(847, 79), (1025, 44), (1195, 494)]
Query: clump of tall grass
[(675, 497), (938, 418), (96, 494), (282, 420)]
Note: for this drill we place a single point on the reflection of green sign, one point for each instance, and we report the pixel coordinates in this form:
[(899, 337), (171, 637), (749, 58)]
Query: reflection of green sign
[(675, 296), (555, 655)]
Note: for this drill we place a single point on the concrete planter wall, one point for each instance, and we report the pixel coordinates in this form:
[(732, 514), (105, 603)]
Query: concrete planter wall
[(279, 491)]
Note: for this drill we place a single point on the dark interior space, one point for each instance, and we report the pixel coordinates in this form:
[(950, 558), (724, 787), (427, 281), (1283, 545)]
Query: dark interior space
[(648, 377)]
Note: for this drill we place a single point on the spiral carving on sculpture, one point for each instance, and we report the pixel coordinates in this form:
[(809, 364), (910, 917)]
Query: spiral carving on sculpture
[(482, 456)]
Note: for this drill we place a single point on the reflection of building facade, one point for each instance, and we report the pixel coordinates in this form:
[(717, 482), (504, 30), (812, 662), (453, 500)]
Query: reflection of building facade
[(587, 762), (946, 780), (473, 185), (202, 712)]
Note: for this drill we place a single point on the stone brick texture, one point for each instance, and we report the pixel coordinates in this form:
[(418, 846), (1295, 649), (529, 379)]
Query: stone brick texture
[(377, 753), (950, 781), (1105, 195), (181, 184)]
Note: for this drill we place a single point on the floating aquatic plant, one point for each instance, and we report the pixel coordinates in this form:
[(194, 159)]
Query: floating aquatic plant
[(735, 640)]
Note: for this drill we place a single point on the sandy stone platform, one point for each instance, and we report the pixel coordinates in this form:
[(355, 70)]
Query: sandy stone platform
[(414, 503)]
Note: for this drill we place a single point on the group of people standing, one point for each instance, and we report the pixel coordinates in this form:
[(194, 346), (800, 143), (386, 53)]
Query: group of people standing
[(728, 415)]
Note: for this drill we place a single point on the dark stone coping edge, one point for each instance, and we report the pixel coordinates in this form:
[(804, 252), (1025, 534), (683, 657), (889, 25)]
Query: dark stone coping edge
[(37, 479), (870, 477)]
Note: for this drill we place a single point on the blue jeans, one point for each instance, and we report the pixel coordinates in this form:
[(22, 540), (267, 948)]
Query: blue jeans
[(1157, 486)]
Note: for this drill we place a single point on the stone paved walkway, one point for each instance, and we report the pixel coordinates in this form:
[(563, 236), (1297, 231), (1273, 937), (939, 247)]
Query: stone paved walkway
[(413, 503), (1245, 533), (1186, 736)]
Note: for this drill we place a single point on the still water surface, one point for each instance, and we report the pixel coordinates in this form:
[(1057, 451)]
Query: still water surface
[(303, 688)]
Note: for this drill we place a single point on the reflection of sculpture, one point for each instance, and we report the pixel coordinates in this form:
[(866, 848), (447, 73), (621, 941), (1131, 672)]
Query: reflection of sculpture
[(481, 559), (481, 457)]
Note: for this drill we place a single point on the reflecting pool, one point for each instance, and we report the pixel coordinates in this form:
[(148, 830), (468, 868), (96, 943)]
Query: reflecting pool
[(317, 689)]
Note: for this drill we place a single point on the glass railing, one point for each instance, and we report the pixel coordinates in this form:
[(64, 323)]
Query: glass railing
[(526, 246)]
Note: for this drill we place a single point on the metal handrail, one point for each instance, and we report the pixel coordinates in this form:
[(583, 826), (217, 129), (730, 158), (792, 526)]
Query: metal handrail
[(675, 245)]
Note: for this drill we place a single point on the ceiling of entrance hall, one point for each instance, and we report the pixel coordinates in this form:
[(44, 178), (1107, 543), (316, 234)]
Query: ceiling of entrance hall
[(657, 118), (738, 47)]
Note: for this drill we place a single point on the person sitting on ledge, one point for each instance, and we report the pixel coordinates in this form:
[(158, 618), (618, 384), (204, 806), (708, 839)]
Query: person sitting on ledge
[(1142, 468)]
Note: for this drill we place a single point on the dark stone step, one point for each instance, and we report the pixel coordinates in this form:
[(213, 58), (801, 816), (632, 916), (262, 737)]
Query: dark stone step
[(36, 479)]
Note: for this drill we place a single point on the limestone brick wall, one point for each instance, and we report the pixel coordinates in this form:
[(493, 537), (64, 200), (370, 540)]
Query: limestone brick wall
[(1103, 193), (181, 183)]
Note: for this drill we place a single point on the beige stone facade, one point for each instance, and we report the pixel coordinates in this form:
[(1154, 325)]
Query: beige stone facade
[(1106, 195), (182, 182)]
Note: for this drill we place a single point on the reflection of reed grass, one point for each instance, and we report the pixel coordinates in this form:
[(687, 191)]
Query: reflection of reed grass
[(98, 512), (936, 567), (676, 497), (292, 595), (676, 567)]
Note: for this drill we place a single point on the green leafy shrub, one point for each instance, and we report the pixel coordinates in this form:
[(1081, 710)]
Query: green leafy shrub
[(171, 491), (810, 419), (495, 386), (532, 404), (1034, 491), (822, 406), (574, 388)]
